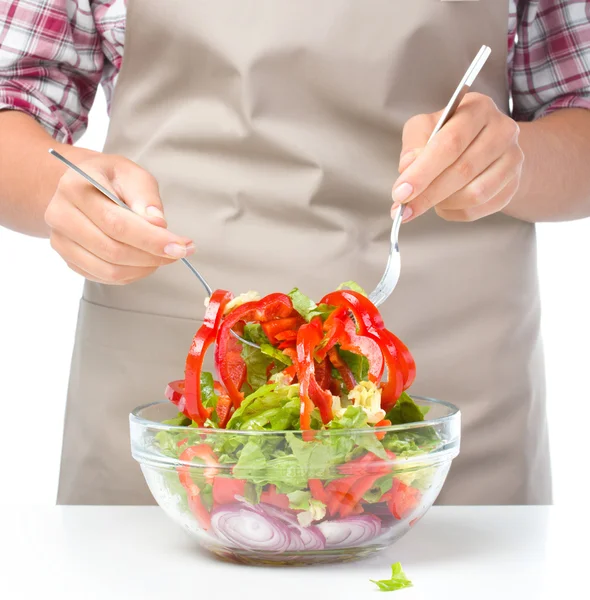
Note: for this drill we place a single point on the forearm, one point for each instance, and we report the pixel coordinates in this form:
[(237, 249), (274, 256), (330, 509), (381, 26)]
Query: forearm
[(555, 184), (28, 173)]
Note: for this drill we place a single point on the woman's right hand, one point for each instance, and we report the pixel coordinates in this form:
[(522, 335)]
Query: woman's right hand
[(102, 241)]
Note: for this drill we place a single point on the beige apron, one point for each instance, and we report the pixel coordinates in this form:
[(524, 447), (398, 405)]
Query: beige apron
[(274, 129)]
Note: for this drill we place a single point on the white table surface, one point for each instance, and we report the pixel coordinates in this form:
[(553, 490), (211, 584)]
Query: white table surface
[(475, 553)]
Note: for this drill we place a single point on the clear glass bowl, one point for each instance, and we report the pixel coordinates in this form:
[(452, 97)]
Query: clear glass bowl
[(232, 511)]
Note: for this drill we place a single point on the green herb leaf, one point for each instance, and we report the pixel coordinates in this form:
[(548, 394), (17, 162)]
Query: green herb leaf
[(398, 580)]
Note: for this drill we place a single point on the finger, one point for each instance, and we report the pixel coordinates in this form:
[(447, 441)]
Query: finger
[(415, 135), (96, 267), (138, 189), (489, 184), (75, 225), (495, 205), (84, 274), (132, 184), (121, 224), (446, 147), (487, 148)]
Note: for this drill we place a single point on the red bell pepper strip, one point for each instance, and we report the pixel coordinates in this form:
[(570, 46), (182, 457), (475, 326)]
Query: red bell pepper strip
[(204, 337), (367, 316), (366, 346), (234, 365), (384, 423), (310, 392), (323, 374), (277, 326), (201, 513), (341, 329), (205, 453), (365, 312), (286, 336), (224, 408), (270, 307), (316, 487), (371, 324), (355, 494), (402, 499), (175, 392), (368, 463), (407, 363), (271, 496), (334, 328), (225, 489), (342, 368), (336, 388)]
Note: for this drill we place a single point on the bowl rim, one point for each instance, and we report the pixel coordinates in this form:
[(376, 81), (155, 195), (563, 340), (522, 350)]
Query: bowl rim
[(454, 414)]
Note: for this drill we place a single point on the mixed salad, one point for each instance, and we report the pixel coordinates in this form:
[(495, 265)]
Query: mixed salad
[(322, 383)]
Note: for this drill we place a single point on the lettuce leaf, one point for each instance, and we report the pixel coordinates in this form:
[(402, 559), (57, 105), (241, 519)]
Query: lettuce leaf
[(357, 363), (307, 308), (271, 407), (405, 411), (398, 580), (276, 355)]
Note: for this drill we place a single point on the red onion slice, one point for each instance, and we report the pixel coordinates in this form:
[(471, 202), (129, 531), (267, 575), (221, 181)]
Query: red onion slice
[(302, 538), (242, 527), (349, 532)]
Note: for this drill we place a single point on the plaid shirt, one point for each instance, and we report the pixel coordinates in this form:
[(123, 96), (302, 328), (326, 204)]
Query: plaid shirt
[(55, 53)]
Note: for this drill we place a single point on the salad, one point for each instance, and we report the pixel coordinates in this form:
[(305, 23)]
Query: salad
[(288, 447)]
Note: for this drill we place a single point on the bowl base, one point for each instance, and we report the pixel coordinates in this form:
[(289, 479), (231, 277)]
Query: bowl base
[(294, 559)]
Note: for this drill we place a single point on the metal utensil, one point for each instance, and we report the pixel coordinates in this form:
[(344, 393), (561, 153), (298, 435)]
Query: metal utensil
[(122, 204), (393, 268)]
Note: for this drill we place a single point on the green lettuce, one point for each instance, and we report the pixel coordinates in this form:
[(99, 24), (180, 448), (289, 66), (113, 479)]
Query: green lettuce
[(381, 486), (271, 407), (398, 580), (253, 332), (307, 308), (276, 355), (357, 363), (405, 411)]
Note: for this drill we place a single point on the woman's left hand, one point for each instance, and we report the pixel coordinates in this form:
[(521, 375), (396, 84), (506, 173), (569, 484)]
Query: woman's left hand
[(470, 170)]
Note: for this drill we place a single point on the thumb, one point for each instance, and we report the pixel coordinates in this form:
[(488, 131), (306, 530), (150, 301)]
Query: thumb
[(415, 136), (139, 190)]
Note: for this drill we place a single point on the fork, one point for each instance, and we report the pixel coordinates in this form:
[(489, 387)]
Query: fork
[(393, 268)]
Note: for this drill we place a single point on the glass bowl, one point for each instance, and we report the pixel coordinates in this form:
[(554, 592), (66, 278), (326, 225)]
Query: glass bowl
[(320, 506)]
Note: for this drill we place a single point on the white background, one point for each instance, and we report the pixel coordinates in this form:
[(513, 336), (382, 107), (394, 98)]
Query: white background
[(39, 302)]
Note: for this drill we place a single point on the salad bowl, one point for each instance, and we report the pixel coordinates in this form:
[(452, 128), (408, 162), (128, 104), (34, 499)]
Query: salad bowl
[(289, 497)]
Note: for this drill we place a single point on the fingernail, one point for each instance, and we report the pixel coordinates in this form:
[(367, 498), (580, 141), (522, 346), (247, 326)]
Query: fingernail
[(190, 249), (402, 192), (408, 212), (394, 209), (176, 250), (154, 211)]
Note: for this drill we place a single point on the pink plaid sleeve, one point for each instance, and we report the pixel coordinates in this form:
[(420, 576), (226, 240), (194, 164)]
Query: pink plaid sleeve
[(551, 64), (51, 62)]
